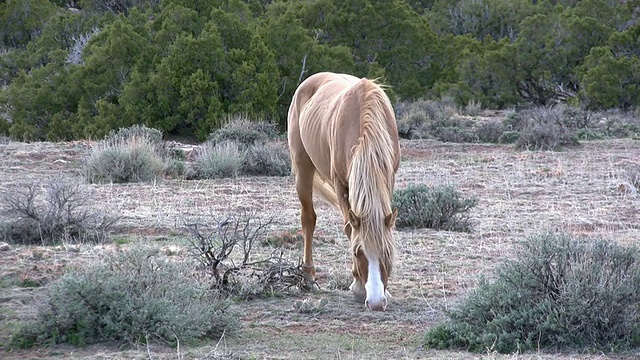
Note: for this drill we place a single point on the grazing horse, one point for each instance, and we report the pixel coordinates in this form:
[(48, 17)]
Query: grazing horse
[(344, 143)]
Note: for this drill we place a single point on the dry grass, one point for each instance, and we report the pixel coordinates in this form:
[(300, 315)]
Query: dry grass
[(520, 193)]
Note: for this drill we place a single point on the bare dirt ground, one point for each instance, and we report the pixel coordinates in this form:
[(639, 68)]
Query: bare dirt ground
[(581, 191)]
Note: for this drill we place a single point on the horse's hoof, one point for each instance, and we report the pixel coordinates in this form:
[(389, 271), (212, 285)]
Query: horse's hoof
[(359, 293), (310, 271)]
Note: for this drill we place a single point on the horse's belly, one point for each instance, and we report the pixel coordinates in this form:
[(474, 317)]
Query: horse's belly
[(315, 141)]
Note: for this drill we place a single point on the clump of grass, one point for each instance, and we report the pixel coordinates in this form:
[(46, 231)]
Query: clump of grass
[(153, 136), (473, 108), (560, 292), (287, 238), (440, 208), (54, 212), (308, 306), (135, 296), (134, 154), (633, 175)]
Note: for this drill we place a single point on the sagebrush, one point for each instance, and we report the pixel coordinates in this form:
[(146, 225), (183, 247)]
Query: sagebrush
[(244, 131), (560, 292), (216, 161), (243, 147), (549, 128), (440, 207), (134, 154), (266, 159), (134, 296)]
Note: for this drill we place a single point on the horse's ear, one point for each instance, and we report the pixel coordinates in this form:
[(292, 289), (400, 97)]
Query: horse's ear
[(354, 220), (390, 220)]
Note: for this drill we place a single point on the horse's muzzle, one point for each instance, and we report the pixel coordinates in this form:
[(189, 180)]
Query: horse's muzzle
[(380, 305)]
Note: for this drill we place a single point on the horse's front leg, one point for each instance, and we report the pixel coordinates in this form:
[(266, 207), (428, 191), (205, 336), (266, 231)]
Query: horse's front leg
[(342, 193), (304, 187), (357, 286)]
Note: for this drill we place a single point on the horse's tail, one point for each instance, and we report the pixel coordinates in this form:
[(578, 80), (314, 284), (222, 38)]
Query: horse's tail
[(326, 190)]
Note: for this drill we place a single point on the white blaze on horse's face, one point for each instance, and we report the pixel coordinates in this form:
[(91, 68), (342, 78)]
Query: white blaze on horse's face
[(374, 286)]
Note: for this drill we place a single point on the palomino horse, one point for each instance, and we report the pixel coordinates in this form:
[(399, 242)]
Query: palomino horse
[(344, 143)]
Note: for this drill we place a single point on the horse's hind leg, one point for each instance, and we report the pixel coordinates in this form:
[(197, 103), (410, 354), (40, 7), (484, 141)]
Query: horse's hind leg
[(304, 187)]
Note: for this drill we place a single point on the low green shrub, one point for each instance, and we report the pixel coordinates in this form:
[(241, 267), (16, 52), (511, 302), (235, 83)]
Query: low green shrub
[(531, 127), (509, 137), (560, 292), (545, 136), (619, 124), (174, 168), (134, 296), (441, 208), (453, 129)]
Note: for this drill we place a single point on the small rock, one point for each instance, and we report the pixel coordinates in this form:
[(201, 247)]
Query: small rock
[(4, 246), (626, 188)]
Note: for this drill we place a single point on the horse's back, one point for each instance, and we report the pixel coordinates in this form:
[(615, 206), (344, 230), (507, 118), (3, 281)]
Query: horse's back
[(324, 123), (314, 115)]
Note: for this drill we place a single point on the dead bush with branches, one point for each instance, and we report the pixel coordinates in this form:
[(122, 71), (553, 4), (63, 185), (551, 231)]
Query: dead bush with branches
[(48, 213), (224, 252)]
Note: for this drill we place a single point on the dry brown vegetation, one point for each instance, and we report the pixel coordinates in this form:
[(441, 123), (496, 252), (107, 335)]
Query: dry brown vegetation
[(520, 193)]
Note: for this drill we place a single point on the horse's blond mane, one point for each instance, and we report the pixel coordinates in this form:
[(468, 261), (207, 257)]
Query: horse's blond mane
[(372, 174)]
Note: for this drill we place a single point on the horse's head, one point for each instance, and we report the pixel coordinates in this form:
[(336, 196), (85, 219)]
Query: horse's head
[(372, 259)]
